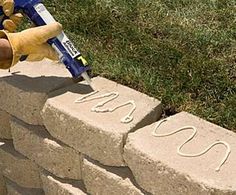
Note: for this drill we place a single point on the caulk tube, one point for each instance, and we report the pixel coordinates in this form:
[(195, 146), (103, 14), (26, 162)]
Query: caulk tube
[(68, 54)]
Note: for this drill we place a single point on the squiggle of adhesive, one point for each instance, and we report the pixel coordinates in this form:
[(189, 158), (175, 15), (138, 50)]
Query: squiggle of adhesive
[(154, 133), (113, 95)]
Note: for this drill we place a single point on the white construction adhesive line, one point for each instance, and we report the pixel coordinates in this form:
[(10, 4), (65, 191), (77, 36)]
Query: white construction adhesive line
[(113, 95), (154, 133)]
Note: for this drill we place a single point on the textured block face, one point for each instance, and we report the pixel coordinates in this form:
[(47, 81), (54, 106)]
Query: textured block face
[(99, 135), (24, 90), (35, 143), (159, 169), (106, 180), (14, 189), (5, 129), (17, 167), (55, 186), (3, 190)]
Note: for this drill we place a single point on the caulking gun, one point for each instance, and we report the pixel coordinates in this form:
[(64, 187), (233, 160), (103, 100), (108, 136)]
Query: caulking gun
[(68, 54)]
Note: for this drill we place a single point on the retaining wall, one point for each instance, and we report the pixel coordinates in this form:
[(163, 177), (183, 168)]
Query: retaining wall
[(49, 144)]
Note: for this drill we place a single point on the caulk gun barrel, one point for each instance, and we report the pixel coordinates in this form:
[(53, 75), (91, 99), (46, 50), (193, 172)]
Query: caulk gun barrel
[(68, 54)]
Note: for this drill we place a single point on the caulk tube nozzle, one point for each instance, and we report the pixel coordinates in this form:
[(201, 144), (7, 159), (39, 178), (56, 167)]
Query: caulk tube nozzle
[(87, 79), (77, 67)]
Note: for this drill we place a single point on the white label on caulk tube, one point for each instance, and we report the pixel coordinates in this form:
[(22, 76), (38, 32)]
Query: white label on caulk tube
[(68, 45), (43, 12), (48, 19)]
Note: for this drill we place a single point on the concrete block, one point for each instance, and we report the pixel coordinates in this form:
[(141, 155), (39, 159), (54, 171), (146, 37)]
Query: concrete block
[(17, 167), (159, 169), (53, 185), (101, 136), (3, 189), (14, 189), (106, 180), (24, 90), (54, 156), (5, 129)]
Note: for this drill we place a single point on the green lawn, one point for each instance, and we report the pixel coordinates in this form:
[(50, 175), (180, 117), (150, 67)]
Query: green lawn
[(182, 52)]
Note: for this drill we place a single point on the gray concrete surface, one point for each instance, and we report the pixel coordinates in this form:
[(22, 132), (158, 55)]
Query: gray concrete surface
[(5, 129), (106, 180), (53, 185), (98, 135), (17, 167), (3, 189), (14, 189), (24, 90), (54, 156), (160, 170)]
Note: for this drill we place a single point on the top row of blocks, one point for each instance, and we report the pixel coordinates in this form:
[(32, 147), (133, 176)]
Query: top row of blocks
[(43, 94)]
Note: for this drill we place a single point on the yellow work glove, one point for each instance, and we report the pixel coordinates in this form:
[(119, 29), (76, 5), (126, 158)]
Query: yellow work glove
[(14, 19), (33, 43)]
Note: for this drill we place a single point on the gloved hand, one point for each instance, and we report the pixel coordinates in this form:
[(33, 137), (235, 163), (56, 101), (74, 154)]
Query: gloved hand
[(14, 19), (32, 42)]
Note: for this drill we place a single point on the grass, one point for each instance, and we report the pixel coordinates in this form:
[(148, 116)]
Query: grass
[(182, 52)]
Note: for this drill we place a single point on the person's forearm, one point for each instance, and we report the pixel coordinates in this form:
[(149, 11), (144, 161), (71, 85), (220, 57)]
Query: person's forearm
[(5, 50)]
